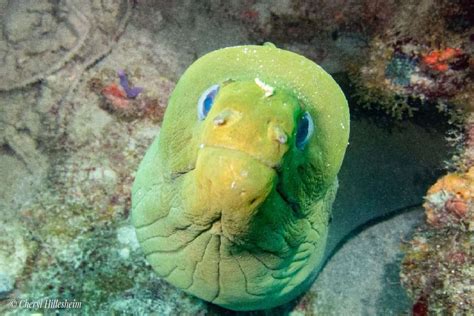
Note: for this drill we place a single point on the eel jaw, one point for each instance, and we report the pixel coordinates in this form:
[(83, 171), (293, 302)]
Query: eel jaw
[(225, 190)]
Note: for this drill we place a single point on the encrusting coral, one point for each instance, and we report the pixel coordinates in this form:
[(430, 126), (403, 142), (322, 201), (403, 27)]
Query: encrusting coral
[(450, 201), (437, 272), (126, 101), (421, 61)]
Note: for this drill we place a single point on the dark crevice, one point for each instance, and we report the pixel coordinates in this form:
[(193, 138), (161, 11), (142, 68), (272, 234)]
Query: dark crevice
[(169, 273), (149, 224), (293, 204), (178, 174), (219, 260), (7, 150), (200, 261), (253, 201), (245, 279), (264, 263), (180, 247), (176, 230)]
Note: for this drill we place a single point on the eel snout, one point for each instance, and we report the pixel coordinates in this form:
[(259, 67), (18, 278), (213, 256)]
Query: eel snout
[(227, 187)]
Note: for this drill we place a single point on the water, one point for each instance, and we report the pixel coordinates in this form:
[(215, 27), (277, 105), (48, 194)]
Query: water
[(69, 151)]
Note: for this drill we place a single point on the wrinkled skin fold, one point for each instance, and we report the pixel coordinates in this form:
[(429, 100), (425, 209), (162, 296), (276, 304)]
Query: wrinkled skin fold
[(228, 208)]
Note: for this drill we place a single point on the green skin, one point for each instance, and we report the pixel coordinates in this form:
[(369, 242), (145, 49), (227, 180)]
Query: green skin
[(226, 211)]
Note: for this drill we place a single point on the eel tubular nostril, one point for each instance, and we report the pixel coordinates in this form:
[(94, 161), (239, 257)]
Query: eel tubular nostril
[(279, 135), (222, 118), (218, 120)]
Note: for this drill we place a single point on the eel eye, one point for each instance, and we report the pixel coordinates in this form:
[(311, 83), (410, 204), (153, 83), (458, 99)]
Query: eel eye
[(304, 131), (206, 100)]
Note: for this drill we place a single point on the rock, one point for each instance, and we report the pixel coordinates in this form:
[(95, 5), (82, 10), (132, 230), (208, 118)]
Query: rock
[(34, 30), (362, 277), (13, 255), (6, 285), (126, 236)]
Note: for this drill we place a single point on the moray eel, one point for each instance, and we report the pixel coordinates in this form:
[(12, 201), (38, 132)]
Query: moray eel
[(231, 203)]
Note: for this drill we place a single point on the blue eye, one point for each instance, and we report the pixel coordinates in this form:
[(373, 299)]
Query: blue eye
[(206, 100), (304, 130)]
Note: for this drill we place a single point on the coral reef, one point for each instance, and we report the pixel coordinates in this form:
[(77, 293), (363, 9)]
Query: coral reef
[(55, 35), (131, 103), (13, 255), (402, 56), (332, 33), (461, 138), (450, 202), (68, 166), (302, 21), (438, 268), (419, 61), (437, 272)]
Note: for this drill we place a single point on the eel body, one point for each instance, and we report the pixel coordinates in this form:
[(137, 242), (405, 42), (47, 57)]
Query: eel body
[(232, 200)]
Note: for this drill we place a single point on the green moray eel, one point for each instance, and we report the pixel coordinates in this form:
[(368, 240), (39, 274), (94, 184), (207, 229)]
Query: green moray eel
[(232, 201)]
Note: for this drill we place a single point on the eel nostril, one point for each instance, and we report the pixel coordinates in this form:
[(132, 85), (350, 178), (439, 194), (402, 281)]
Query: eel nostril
[(279, 135), (218, 120), (282, 139), (223, 117)]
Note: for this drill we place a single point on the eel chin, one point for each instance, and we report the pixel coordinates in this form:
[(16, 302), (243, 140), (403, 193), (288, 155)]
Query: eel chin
[(242, 252), (226, 188), (230, 239)]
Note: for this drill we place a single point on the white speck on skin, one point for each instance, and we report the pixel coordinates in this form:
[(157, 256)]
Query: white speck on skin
[(268, 89), (343, 127), (233, 185), (201, 146)]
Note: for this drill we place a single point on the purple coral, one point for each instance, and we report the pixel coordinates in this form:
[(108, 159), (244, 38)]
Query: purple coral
[(132, 92)]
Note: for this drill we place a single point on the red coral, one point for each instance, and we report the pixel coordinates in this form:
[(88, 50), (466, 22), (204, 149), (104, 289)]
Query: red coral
[(113, 90), (457, 206), (439, 59), (116, 96)]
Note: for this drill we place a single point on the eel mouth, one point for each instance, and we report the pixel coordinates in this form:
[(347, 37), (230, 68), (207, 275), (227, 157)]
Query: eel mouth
[(228, 189), (262, 161), (272, 171), (276, 167)]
